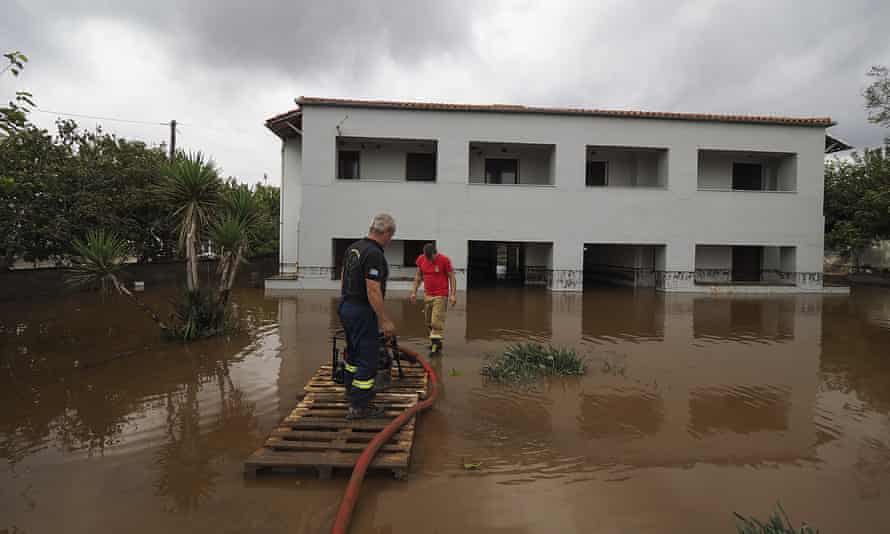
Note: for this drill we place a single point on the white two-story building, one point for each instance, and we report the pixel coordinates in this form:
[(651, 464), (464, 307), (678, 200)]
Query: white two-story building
[(556, 197)]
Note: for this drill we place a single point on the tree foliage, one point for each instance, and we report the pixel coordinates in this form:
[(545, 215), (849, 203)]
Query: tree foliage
[(13, 116), (857, 200), (877, 96), (190, 186), (55, 189), (98, 260)]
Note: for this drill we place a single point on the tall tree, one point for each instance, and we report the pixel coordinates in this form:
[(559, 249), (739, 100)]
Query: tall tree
[(54, 189), (191, 187), (877, 95), (857, 201), (14, 115), (234, 231)]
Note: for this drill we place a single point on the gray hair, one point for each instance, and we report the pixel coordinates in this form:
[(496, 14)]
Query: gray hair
[(383, 223)]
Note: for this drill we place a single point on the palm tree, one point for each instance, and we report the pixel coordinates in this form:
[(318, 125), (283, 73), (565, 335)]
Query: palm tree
[(234, 232), (99, 260), (191, 183)]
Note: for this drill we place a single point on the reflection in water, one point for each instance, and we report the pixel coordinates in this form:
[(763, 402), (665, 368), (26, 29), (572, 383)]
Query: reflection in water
[(615, 314), (501, 313), (641, 413), (744, 318), (691, 402), (739, 409), (186, 472)]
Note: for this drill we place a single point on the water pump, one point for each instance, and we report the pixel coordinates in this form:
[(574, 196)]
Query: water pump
[(388, 355)]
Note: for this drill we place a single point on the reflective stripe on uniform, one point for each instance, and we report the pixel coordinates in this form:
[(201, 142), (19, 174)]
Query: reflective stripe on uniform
[(351, 368), (363, 384)]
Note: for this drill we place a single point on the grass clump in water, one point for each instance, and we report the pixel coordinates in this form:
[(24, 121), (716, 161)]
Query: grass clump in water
[(524, 362), (778, 523)]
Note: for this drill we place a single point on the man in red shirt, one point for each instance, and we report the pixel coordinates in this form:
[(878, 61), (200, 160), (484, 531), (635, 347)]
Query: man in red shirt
[(438, 284)]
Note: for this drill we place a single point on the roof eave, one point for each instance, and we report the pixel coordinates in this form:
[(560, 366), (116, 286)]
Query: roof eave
[(835, 144), (813, 122), (286, 125)]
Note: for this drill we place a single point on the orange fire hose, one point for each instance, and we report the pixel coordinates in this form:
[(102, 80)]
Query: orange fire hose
[(350, 498)]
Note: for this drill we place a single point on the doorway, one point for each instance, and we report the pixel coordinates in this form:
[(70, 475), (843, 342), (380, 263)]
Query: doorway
[(747, 263)]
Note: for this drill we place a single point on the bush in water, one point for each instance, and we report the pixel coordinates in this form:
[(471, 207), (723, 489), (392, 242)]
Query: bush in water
[(778, 523), (525, 361)]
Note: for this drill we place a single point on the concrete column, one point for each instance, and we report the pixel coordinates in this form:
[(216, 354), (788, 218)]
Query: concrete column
[(682, 164), (567, 270), (570, 166), (679, 267), (788, 263), (453, 161), (291, 207), (809, 266)]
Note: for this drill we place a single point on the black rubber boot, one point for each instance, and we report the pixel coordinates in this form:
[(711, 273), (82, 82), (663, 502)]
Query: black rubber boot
[(435, 347), (368, 412)]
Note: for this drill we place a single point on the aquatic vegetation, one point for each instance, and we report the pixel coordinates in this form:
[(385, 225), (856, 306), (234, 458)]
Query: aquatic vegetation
[(523, 362), (98, 262), (199, 315), (778, 523)]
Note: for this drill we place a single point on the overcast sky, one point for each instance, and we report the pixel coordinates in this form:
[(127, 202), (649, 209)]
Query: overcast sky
[(221, 67)]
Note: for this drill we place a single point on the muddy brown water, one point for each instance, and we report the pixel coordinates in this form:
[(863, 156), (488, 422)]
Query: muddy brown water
[(694, 407)]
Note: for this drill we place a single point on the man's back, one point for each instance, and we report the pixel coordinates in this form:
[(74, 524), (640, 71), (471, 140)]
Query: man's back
[(363, 260)]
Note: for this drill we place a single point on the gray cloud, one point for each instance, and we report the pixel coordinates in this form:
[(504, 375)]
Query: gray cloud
[(297, 37), (224, 66)]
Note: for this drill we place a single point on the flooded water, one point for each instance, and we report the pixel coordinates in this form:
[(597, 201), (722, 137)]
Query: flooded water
[(693, 408)]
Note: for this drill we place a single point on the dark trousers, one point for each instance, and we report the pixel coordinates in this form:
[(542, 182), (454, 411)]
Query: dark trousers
[(362, 351)]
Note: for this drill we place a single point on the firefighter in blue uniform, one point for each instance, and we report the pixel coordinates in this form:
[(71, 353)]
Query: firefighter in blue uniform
[(361, 311)]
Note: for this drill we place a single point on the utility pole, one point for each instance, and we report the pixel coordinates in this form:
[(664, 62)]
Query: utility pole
[(172, 139)]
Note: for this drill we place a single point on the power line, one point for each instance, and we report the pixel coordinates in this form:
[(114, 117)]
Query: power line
[(100, 118)]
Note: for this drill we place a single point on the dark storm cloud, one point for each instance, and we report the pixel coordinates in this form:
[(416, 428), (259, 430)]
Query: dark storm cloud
[(305, 38)]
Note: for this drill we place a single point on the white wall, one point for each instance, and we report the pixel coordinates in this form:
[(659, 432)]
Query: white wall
[(381, 165), (569, 214), (715, 169), (772, 259), (534, 162), (713, 257), (386, 163), (630, 168), (538, 254), (395, 252)]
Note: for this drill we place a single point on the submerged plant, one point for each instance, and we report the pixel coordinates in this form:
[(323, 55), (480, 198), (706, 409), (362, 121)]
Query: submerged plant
[(778, 523), (98, 261), (199, 315), (526, 361)]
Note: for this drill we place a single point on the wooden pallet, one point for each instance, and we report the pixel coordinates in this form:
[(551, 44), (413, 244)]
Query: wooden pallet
[(316, 435), (415, 381)]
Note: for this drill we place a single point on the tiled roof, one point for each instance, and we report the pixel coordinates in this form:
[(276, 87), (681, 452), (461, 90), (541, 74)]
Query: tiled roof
[(283, 116), (504, 108)]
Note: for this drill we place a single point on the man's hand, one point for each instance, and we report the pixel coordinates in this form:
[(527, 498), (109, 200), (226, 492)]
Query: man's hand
[(453, 300), (388, 327), (412, 298)]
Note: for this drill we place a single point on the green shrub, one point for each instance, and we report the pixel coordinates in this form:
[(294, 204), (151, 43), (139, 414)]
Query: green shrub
[(526, 361), (199, 315), (778, 523)]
